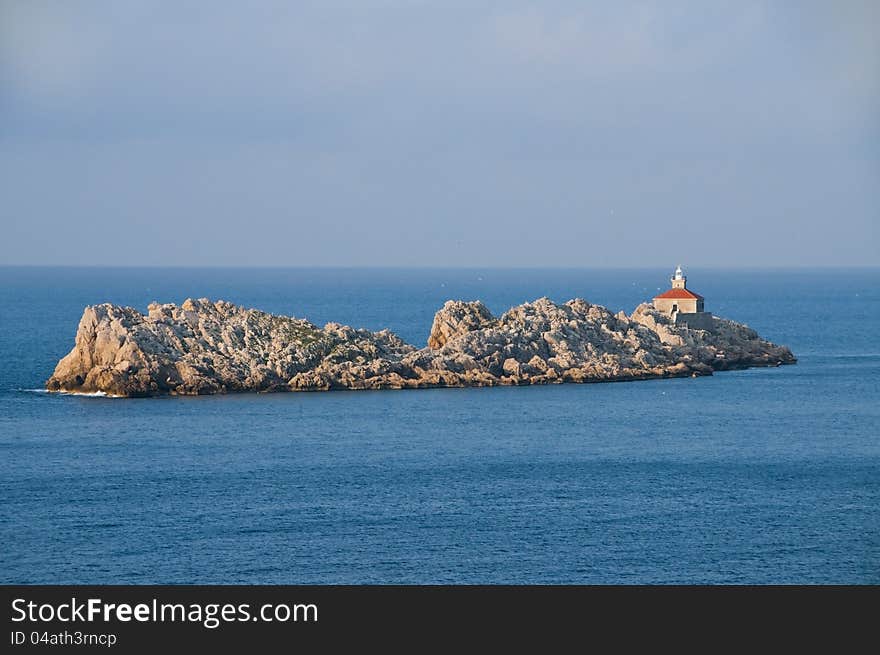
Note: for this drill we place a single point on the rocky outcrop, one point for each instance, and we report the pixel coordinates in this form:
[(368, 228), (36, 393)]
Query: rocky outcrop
[(457, 318), (205, 347)]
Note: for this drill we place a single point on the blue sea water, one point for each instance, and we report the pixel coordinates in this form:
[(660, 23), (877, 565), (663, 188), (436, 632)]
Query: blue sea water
[(759, 476)]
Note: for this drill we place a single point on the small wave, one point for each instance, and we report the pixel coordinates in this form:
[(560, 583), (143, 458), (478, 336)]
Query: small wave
[(84, 394), (827, 355), (832, 355), (89, 394)]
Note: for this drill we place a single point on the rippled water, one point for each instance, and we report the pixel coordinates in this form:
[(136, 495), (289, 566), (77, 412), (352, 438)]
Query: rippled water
[(760, 476)]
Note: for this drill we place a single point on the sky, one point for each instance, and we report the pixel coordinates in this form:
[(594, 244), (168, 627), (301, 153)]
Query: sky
[(440, 133)]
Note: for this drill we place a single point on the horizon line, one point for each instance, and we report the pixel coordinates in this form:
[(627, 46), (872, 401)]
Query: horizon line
[(469, 267)]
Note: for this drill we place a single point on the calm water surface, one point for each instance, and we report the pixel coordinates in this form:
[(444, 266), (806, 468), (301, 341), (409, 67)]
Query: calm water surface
[(760, 476)]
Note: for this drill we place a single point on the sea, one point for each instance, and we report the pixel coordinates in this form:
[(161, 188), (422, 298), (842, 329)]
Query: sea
[(763, 476)]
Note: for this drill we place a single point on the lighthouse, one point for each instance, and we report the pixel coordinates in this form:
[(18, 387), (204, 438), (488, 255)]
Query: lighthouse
[(679, 281), (682, 304)]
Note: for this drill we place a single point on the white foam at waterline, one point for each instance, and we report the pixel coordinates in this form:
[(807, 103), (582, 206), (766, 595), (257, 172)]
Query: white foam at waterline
[(89, 394), (84, 394)]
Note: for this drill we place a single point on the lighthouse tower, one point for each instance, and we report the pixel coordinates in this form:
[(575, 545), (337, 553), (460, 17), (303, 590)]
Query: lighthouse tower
[(678, 279), (682, 304)]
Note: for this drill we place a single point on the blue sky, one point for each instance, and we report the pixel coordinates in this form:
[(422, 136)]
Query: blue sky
[(412, 133)]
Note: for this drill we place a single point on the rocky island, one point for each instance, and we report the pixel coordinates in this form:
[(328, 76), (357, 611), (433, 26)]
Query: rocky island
[(206, 347)]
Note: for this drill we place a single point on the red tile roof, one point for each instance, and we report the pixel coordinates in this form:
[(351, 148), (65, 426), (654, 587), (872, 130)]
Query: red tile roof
[(680, 294)]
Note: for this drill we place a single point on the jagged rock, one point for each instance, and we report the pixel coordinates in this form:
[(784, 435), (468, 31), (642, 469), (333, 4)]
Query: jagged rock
[(457, 318), (204, 347)]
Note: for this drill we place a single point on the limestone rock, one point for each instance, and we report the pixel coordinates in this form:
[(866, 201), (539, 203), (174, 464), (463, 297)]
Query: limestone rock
[(457, 318), (205, 347)]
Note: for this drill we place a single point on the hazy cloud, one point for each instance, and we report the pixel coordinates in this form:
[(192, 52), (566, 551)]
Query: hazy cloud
[(439, 133)]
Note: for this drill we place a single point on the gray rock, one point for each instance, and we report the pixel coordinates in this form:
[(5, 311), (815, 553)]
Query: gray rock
[(204, 347), (457, 318)]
